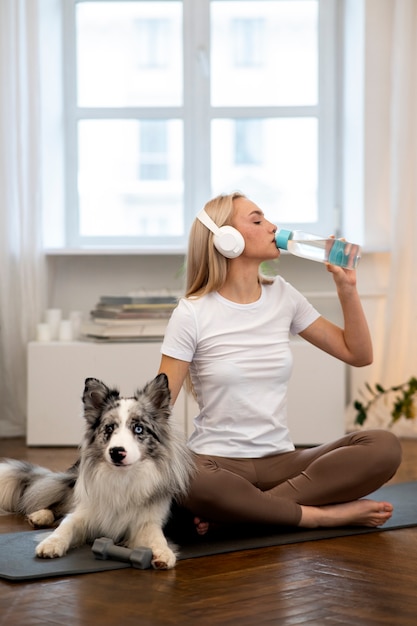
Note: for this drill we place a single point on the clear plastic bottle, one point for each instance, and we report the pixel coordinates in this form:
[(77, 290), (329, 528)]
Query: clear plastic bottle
[(316, 248)]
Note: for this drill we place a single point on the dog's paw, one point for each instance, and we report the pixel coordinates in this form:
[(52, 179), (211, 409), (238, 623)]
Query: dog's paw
[(51, 548), (163, 558), (44, 518)]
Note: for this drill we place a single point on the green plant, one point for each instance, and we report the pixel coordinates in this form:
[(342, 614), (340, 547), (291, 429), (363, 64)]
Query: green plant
[(270, 268), (404, 402)]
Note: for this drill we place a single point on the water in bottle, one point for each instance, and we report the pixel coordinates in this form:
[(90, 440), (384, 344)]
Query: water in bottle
[(316, 248)]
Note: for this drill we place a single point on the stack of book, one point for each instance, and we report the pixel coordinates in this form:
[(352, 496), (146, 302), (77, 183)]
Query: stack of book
[(130, 318)]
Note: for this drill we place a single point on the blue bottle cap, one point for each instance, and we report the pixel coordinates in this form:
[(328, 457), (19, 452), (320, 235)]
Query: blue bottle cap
[(281, 238)]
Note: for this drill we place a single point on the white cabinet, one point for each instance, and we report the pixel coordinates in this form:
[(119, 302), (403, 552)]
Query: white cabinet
[(316, 395), (56, 375), (57, 370)]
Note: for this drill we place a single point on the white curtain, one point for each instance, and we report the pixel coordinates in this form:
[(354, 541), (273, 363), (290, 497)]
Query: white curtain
[(400, 345), (22, 275), (397, 360)]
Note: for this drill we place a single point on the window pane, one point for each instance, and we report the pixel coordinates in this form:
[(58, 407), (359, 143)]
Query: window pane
[(130, 178), (153, 142), (264, 53), (248, 142), (129, 54), (282, 179)]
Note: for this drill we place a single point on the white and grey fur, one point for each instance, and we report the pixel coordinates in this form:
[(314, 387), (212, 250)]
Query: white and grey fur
[(132, 464)]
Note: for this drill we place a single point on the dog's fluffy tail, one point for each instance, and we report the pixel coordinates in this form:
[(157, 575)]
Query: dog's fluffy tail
[(26, 488)]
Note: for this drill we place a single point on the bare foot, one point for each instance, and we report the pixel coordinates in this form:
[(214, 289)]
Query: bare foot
[(356, 513), (201, 526)]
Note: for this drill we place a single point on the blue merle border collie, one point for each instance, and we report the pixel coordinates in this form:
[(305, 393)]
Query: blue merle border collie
[(132, 465)]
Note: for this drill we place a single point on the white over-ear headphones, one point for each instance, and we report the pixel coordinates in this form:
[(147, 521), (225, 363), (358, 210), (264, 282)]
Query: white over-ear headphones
[(227, 240)]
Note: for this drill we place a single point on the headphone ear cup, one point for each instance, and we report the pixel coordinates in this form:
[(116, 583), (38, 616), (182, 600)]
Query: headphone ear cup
[(229, 242)]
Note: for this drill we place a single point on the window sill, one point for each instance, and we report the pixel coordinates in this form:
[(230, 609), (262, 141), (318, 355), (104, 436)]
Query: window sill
[(114, 251), (153, 251)]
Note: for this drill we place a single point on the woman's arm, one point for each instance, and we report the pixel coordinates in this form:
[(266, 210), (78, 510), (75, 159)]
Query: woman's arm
[(176, 371), (352, 343)]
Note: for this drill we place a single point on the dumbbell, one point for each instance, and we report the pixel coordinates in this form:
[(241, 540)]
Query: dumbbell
[(104, 549)]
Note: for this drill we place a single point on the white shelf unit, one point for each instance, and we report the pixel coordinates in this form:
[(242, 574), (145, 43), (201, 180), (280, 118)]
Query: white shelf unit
[(57, 370)]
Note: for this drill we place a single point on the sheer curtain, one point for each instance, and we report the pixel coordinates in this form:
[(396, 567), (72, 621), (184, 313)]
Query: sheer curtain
[(22, 274), (397, 360), (400, 345)]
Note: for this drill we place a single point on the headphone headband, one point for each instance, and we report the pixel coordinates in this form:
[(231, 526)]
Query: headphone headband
[(205, 219)]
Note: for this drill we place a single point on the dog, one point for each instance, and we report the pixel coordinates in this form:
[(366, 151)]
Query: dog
[(132, 465)]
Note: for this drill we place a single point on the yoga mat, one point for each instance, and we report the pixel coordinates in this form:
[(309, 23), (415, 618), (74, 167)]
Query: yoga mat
[(403, 497), (18, 561)]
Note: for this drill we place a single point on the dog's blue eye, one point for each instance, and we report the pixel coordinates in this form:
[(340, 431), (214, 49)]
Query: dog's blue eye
[(138, 430)]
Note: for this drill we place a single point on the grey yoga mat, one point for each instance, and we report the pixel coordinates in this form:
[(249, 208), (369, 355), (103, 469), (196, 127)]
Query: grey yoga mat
[(18, 561)]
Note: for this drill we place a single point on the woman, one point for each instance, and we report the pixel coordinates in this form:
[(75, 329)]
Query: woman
[(229, 337)]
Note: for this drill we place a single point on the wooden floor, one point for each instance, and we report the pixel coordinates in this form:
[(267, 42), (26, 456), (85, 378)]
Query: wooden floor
[(361, 580)]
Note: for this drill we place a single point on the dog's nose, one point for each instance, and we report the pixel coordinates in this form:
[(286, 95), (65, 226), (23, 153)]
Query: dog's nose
[(117, 454)]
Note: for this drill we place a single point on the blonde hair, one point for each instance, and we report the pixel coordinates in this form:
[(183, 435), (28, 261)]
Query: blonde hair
[(206, 266)]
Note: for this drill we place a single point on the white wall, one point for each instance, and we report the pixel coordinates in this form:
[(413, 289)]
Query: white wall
[(77, 281)]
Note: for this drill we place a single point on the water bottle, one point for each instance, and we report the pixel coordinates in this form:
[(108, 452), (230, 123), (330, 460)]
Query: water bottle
[(316, 248)]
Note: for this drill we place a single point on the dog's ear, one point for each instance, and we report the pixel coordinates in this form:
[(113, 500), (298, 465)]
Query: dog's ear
[(157, 390), (96, 394)]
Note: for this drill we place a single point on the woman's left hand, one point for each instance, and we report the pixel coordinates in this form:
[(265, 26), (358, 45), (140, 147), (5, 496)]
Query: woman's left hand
[(341, 276)]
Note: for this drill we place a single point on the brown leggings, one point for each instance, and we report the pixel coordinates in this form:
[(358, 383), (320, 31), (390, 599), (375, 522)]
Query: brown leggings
[(271, 489)]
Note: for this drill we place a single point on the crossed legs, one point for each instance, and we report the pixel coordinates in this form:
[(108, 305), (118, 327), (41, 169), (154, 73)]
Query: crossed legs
[(320, 486)]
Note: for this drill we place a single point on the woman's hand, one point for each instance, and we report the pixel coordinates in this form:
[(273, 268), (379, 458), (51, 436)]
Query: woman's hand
[(341, 276)]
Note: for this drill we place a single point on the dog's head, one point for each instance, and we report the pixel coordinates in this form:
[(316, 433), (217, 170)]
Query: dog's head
[(126, 430)]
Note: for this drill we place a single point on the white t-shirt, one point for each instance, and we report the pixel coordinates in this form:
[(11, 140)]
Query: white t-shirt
[(240, 364)]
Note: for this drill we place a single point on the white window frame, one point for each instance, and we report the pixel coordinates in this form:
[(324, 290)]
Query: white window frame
[(196, 114)]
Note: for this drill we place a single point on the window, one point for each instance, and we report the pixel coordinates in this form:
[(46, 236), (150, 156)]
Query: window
[(153, 150), (151, 38), (170, 102), (248, 142), (247, 36)]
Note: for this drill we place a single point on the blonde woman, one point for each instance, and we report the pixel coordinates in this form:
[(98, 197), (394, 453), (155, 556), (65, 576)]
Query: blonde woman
[(229, 337)]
